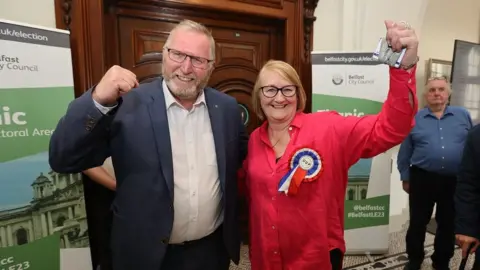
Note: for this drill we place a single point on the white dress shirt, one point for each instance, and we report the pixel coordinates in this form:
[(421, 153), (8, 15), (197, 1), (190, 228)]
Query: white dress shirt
[(198, 210)]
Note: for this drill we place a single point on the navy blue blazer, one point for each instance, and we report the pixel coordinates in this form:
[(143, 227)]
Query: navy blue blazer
[(467, 192), (136, 135)]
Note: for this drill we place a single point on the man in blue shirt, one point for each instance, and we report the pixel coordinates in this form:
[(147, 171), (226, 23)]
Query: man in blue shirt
[(428, 162)]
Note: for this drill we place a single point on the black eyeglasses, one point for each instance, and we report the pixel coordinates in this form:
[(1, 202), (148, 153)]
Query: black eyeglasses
[(271, 91), (179, 57)]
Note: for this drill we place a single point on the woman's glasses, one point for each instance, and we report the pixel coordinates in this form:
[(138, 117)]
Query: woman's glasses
[(271, 91)]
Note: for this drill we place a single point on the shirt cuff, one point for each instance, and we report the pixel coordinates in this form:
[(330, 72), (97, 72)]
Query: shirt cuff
[(404, 176), (103, 109)]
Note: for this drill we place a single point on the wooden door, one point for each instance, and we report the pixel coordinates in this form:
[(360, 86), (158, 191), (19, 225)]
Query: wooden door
[(240, 53)]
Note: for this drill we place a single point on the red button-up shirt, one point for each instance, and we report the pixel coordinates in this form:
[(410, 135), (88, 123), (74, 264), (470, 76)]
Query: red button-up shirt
[(297, 231)]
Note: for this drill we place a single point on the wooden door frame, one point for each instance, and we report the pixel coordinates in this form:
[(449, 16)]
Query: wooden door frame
[(85, 19)]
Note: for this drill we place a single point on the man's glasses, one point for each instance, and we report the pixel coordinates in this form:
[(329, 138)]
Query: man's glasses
[(179, 57), (271, 91)]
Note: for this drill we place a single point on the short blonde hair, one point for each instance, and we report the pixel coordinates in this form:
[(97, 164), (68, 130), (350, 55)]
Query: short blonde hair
[(196, 27), (287, 72)]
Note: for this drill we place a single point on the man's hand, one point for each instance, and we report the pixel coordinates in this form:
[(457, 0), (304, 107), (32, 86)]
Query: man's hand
[(399, 36), (465, 242), (406, 186), (114, 84)]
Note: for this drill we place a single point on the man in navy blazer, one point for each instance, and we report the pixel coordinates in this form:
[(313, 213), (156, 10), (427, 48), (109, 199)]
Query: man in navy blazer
[(176, 146), (467, 198)]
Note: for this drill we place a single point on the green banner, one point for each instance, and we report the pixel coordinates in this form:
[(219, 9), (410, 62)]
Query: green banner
[(40, 254), (355, 85), (42, 212)]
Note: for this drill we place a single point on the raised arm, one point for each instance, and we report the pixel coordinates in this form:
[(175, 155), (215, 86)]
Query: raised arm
[(80, 141), (368, 136)]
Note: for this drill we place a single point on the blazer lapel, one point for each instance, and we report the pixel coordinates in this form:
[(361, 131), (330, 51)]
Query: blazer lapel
[(216, 119), (159, 120)]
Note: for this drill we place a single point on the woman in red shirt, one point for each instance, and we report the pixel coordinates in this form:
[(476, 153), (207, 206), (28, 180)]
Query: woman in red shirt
[(297, 164)]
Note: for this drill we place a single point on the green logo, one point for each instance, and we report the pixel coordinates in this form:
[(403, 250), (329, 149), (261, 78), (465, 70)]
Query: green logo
[(245, 114)]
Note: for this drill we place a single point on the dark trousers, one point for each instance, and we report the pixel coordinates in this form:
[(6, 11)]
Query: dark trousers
[(98, 200), (426, 190), (336, 259), (208, 253)]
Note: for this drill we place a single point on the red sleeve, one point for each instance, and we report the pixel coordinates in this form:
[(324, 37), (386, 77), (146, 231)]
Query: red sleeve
[(368, 136)]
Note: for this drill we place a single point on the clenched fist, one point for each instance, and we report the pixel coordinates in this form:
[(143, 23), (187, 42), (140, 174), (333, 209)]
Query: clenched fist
[(115, 83), (399, 36)]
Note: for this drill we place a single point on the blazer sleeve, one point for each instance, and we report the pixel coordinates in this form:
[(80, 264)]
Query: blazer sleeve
[(467, 193), (368, 136), (81, 138)]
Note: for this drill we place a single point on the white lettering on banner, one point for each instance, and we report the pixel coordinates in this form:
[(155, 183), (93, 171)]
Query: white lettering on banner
[(366, 214), (350, 59), (8, 263), (21, 34), (5, 261), (8, 118), (352, 113), (25, 133), (367, 211)]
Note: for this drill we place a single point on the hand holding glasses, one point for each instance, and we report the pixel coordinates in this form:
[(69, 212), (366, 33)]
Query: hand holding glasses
[(271, 91)]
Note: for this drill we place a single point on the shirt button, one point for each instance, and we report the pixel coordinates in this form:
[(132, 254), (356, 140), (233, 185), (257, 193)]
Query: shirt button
[(273, 227), (443, 157), (290, 128), (443, 147), (409, 80), (441, 138), (273, 198), (442, 167), (275, 252)]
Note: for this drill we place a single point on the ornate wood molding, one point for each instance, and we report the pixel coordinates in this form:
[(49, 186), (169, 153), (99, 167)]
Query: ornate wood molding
[(309, 18), (67, 7)]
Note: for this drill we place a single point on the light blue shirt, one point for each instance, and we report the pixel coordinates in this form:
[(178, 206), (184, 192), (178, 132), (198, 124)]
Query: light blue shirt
[(435, 145)]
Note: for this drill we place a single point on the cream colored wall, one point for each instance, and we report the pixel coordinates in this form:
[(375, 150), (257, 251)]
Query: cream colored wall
[(357, 25), (38, 12)]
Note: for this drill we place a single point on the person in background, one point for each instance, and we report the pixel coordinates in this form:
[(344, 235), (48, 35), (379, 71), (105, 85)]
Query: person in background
[(307, 156), (100, 193), (467, 198), (176, 146), (104, 175), (428, 162)]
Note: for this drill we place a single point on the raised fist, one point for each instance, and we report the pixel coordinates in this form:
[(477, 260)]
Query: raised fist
[(401, 35), (115, 83)]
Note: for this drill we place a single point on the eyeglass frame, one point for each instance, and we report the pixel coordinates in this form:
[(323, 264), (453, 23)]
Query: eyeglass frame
[(191, 57), (279, 89)]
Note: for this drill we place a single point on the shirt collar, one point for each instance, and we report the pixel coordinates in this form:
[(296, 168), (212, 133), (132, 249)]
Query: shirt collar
[(428, 112), (170, 99), (296, 122)]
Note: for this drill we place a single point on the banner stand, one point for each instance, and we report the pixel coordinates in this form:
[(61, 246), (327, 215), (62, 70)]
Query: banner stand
[(354, 84), (43, 223)]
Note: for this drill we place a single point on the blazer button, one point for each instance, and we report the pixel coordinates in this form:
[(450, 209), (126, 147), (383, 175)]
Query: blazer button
[(165, 241)]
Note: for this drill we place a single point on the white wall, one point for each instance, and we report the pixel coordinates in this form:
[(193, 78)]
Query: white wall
[(357, 26), (39, 12)]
